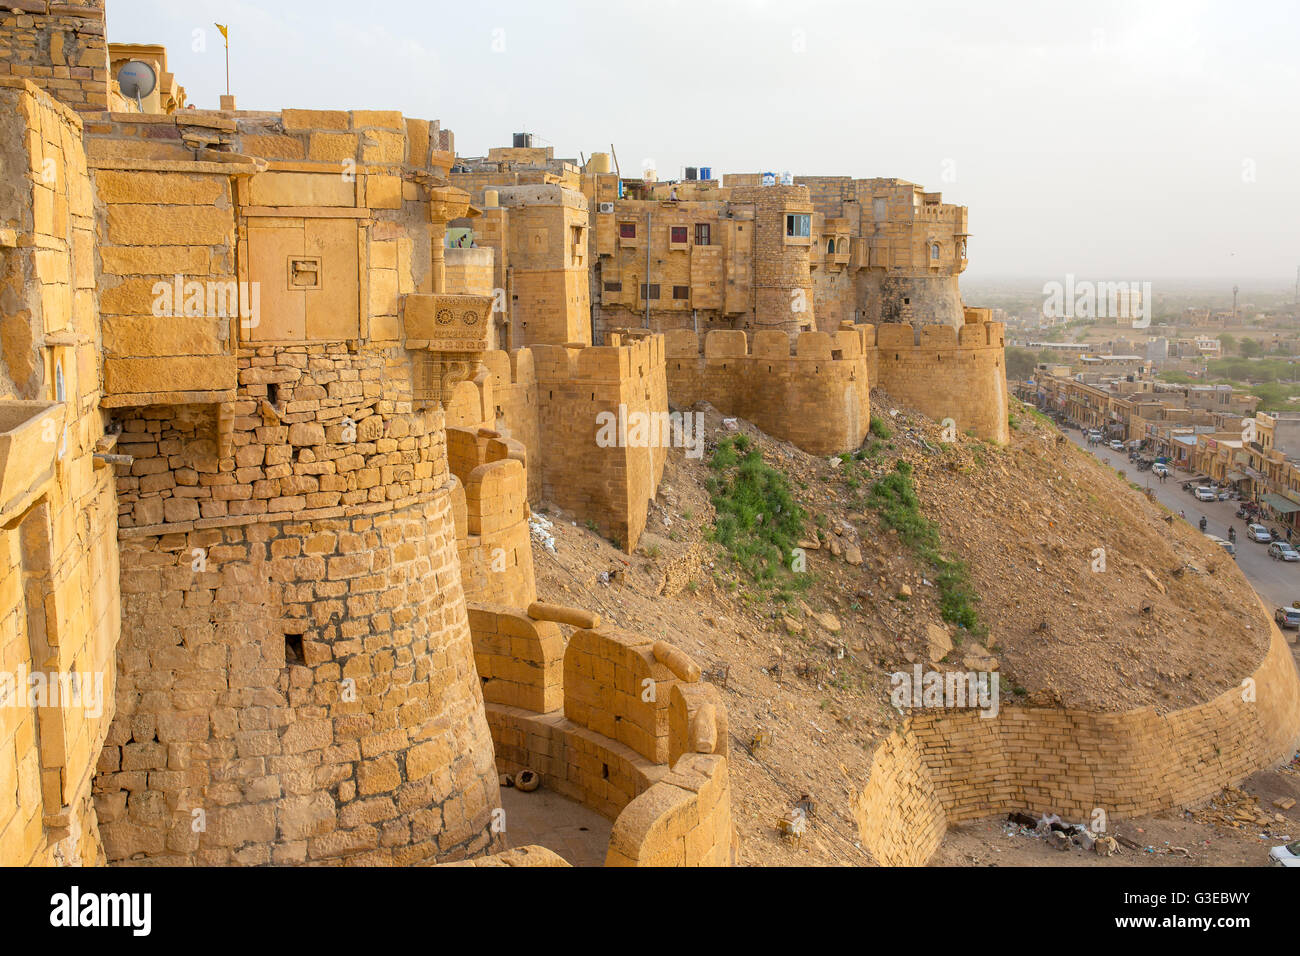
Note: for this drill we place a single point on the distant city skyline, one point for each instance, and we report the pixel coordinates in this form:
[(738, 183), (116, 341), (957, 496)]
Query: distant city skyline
[(1121, 141)]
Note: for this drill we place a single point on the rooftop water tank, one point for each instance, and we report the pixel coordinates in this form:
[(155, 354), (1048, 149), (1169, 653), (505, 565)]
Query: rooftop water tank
[(599, 163), (691, 172), (769, 179), (523, 141)]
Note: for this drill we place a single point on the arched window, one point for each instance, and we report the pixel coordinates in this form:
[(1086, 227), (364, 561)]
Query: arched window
[(830, 245), (60, 389), (843, 246), (934, 251)]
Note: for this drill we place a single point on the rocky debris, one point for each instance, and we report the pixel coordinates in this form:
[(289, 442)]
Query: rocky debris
[(1236, 809), (976, 658), (939, 641), (1284, 803)]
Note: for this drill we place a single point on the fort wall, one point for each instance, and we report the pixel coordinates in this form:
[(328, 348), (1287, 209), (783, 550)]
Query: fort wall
[(550, 399), (947, 768), (61, 47), (59, 616), (816, 394), (943, 373), (622, 713)]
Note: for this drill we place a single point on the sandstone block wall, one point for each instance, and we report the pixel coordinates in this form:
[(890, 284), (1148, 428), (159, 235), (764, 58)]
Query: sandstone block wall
[(495, 548), (783, 286), (548, 398), (816, 396), (664, 814), (948, 768), (59, 46), (943, 373), (59, 611), (520, 661), (574, 386), (310, 688)]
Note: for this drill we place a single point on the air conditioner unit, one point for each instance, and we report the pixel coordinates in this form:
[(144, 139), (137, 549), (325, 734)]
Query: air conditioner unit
[(606, 208)]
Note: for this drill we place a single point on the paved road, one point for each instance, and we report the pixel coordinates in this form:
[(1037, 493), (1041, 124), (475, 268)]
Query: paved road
[(1276, 581)]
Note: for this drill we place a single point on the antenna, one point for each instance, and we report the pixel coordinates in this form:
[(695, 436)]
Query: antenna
[(137, 79)]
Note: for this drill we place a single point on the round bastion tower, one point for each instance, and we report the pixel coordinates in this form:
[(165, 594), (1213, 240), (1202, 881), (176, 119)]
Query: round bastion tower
[(296, 677), (783, 285), (915, 250)]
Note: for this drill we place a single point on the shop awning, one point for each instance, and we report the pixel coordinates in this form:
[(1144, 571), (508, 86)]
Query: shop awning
[(1235, 476), (1280, 504)]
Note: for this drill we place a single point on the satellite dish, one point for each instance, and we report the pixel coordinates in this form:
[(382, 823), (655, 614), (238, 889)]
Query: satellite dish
[(137, 79)]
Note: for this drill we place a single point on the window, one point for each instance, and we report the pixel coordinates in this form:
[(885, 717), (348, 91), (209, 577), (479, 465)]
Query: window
[(613, 287), (627, 230), (843, 246), (798, 224), (702, 234), (934, 252), (653, 293), (577, 234), (681, 292), (677, 235), (830, 246)]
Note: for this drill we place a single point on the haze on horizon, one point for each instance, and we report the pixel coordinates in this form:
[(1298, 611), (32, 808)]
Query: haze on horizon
[(1121, 141)]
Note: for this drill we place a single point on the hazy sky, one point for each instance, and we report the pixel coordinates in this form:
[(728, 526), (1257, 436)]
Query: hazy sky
[(1116, 141)]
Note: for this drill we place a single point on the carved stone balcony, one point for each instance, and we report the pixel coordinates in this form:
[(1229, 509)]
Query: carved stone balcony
[(448, 334)]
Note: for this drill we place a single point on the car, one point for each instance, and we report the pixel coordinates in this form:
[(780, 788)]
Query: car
[(1205, 493), (1287, 617), (1224, 494), (1224, 543), (1286, 855), (1257, 532), (1281, 551), (1161, 469), (1116, 445)]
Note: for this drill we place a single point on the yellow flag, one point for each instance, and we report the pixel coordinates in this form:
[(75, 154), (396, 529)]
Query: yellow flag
[(222, 28)]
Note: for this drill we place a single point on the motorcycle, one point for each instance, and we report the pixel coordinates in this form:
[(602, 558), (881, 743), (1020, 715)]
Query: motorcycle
[(1203, 524)]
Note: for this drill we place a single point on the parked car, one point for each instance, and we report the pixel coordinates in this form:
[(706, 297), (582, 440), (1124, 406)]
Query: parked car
[(1286, 855), (1205, 493), (1257, 532), (1288, 617), (1116, 445), (1225, 544), (1161, 469), (1281, 551)]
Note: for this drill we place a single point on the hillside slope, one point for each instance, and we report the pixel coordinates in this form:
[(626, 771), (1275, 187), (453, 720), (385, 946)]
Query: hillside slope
[(1003, 542)]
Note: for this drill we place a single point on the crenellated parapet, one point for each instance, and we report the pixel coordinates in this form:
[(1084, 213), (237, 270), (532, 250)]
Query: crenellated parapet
[(812, 389), (616, 721), (949, 374)]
